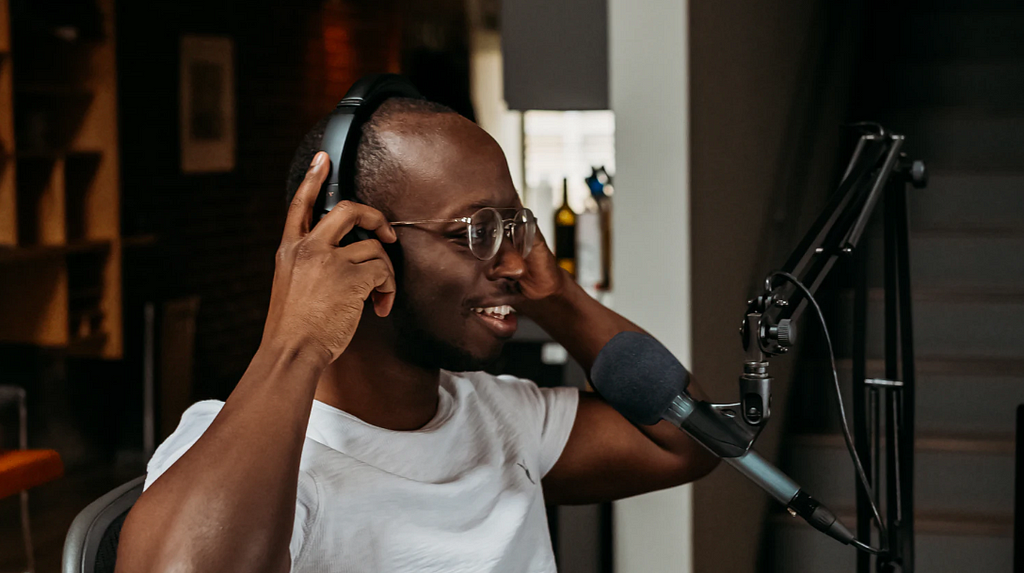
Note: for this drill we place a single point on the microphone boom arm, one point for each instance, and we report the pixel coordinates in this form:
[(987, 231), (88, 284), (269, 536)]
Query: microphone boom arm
[(729, 430), (767, 328)]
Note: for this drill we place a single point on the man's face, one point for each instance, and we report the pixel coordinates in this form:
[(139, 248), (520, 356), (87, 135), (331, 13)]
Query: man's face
[(452, 169)]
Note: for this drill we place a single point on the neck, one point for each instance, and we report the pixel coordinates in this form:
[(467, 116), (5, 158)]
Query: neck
[(371, 382)]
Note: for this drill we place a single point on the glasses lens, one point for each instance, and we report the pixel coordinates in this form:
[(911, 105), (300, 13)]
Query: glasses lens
[(485, 233), (524, 228)]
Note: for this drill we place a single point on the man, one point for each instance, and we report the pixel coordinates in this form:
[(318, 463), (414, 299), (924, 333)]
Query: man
[(350, 444)]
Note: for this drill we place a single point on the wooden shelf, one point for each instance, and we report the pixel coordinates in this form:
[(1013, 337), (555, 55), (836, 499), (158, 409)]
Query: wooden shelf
[(53, 90), (89, 345), (55, 153), (37, 252), (60, 191)]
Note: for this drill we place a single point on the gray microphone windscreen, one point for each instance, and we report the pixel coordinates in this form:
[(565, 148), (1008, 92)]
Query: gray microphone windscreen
[(638, 376)]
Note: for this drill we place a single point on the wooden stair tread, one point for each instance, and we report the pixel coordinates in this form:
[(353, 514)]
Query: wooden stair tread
[(960, 365), (995, 445), (930, 522)]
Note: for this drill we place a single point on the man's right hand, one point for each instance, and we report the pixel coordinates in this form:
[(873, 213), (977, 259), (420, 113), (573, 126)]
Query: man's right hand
[(320, 288)]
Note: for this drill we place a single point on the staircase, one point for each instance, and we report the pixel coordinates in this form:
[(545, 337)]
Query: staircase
[(956, 90)]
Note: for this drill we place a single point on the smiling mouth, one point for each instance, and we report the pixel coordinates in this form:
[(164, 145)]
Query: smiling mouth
[(497, 312)]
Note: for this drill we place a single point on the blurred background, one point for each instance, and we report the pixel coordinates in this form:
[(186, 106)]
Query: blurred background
[(677, 150)]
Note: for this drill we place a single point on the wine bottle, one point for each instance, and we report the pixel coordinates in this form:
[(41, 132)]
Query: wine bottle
[(565, 233)]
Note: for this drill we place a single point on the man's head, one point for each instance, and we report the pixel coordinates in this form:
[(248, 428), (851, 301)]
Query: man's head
[(418, 160)]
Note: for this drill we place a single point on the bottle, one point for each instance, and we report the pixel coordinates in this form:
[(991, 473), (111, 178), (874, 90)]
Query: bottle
[(565, 233)]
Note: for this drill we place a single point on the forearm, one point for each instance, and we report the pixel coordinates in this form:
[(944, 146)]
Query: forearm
[(583, 326), (228, 504)]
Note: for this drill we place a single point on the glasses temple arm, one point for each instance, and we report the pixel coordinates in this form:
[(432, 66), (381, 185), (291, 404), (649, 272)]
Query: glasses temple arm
[(425, 221)]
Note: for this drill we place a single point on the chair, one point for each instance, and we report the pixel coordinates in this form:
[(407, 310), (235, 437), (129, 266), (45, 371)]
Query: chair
[(91, 544), (23, 469)]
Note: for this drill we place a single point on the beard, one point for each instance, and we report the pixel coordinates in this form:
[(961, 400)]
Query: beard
[(418, 345)]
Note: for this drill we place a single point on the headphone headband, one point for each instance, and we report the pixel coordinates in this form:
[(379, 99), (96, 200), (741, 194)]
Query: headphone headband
[(344, 130)]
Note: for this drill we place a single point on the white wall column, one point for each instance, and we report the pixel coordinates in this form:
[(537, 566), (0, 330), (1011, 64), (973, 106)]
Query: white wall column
[(649, 91)]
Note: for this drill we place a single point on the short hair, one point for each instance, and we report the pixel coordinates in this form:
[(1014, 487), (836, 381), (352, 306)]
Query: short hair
[(377, 171)]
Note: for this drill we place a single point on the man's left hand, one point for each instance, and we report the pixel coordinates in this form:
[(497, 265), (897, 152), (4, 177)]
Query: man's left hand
[(543, 277)]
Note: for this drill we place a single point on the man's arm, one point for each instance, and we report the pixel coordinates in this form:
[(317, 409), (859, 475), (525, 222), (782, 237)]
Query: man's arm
[(606, 457), (228, 504)]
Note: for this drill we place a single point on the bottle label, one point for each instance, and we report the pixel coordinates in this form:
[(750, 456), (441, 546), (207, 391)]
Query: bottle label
[(565, 242)]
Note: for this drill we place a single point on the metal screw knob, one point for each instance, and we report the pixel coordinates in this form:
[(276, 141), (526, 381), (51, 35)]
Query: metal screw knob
[(783, 333)]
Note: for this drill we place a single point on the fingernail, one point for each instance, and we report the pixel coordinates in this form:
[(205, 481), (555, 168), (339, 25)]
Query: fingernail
[(317, 159)]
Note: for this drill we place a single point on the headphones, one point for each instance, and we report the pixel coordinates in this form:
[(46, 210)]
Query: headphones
[(341, 140)]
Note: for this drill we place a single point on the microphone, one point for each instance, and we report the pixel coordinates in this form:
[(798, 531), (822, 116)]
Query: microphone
[(641, 379)]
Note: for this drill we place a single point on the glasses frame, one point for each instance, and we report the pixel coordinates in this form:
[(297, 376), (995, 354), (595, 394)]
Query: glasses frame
[(507, 225)]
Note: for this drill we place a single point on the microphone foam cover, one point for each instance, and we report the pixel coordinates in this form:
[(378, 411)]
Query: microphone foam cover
[(638, 376)]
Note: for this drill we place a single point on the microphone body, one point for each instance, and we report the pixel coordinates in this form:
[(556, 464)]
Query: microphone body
[(688, 415), (641, 379)]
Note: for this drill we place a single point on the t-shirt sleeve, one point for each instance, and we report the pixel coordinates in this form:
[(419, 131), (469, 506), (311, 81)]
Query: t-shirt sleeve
[(306, 510), (194, 422), (555, 414)]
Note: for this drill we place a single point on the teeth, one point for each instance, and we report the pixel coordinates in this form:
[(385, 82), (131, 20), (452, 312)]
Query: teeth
[(495, 311)]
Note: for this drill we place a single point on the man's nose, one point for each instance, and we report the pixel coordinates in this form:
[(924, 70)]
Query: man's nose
[(508, 263)]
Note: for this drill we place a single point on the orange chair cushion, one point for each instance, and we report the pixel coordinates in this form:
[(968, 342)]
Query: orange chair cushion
[(24, 469)]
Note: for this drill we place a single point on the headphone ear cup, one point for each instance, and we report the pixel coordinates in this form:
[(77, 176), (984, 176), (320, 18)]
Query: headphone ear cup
[(341, 140)]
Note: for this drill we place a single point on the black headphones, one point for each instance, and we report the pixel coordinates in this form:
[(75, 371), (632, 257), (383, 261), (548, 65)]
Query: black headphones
[(341, 140)]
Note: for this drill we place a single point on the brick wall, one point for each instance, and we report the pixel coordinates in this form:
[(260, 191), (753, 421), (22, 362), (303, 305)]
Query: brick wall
[(217, 233)]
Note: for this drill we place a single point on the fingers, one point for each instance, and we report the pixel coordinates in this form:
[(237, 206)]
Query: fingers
[(381, 276), (362, 251), (300, 212), (348, 215), (365, 251)]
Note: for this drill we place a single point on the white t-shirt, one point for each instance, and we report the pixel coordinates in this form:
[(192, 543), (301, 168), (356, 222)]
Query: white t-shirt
[(460, 495)]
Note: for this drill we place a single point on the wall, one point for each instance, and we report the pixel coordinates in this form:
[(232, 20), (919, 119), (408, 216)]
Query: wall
[(768, 87), (216, 234), (492, 114), (651, 242)]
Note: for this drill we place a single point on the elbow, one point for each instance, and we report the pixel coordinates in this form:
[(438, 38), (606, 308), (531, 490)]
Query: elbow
[(154, 541), (696, 464), (705, 464), (139, 550)]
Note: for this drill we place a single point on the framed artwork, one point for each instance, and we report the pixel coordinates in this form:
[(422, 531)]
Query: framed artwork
[(207, 104)]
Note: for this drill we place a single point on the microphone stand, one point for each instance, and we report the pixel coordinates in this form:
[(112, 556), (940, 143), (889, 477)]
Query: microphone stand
[(877, 171)]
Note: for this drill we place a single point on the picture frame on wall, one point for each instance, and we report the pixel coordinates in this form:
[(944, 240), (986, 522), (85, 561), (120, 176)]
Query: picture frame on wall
[(207, 104)]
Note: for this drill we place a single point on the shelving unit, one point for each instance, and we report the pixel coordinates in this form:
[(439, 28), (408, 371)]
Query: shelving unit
[(60, 244)]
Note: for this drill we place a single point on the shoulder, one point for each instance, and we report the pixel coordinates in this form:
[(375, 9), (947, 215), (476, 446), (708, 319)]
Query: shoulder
[(516, 398), (493, 390), (543, 418), (511, 388)]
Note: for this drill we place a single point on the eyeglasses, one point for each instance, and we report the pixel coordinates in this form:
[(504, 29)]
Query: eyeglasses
[(486, 227)]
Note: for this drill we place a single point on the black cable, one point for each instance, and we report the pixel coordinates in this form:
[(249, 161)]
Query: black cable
[(867, 548), (842, 414)]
